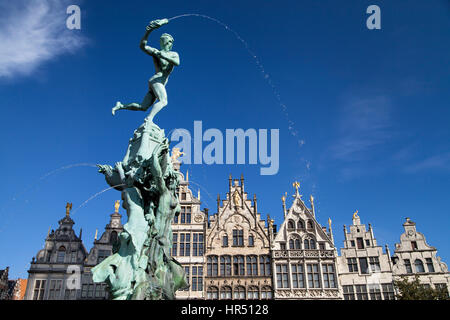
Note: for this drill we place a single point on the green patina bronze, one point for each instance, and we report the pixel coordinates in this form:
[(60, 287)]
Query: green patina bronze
[(141, 267)]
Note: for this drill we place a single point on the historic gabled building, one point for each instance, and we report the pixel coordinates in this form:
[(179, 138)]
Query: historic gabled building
[(365, 272), (413, 256), (188, 229), (101, 250), (63, 253), (304, 256), (61, 270), (238, 249)]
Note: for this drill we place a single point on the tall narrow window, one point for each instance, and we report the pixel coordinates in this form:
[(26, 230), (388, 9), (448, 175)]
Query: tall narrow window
[(313, 276), (408, 266), (197, 244), (175, 218), (388, 291), (175, 244), (238, 266), (251, 241), (329, 278), (414, 245), (212, 267), (291, 244), (61, 254), (264, 266), (197, 278), (298, 244), (298, 275), (225, 241), (39, 289), (186, 272), (225, 266), (430, 265), (374, 291), (306, 244), (349, 292), (282, 276), (183, 214), (252, 266), (352, 265), (238, 238), (363, 265), (188, 214), (360, 243), (361, 292), (374, 264)]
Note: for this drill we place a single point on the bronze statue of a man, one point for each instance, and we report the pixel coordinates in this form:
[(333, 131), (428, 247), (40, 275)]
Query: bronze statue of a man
[(164, 61)]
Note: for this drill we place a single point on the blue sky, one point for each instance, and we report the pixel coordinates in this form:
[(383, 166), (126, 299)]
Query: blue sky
[(365, 125)]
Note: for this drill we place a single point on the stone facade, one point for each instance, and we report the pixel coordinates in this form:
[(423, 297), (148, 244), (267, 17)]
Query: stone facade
[(234, 254), (61, 270), (413, 256), (188, 230), (237, 248), (304, 256), (365, 272)]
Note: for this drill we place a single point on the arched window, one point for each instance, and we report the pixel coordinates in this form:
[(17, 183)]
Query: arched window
[(306, 244), (266, 293), (291, 224), (239, 292), (212, 293), (419, 266), (225, 265), (300, 224), (298, 244), (238, 266), (61, 254), (252, 266), (310, 224), (113, 237), (212, 268), (253, 293), (251, 240), (291, 244), (225, 293)]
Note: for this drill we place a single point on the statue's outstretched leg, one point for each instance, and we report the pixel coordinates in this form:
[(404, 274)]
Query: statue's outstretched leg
[(161, 95), (149, 99)]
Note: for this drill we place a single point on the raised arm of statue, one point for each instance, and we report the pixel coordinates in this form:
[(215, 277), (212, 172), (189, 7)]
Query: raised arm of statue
[(155, 24)]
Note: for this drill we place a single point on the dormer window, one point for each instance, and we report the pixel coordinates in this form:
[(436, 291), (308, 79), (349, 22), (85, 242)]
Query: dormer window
[(414, 245), (61, 254), (291, 224), (360, 243)]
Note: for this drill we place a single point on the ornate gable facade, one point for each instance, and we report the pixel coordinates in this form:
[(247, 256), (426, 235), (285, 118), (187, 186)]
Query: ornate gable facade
[(238, 248), (304, 255), (414, 256), (365, 272)]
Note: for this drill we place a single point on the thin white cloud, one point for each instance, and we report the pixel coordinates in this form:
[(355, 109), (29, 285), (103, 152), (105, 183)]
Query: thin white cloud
[(364, 124), (33, 32), (438, 161)]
